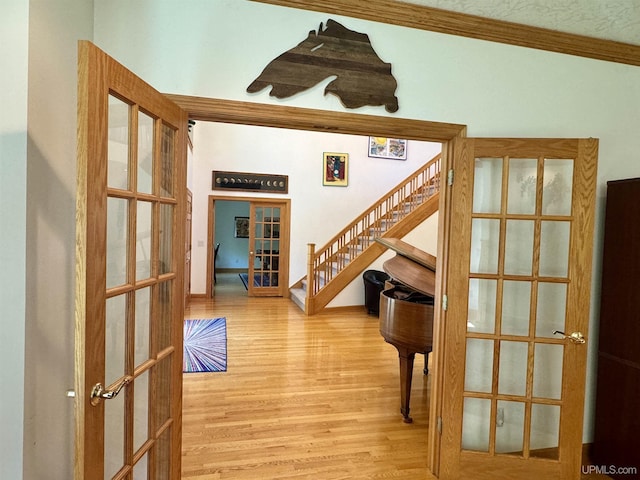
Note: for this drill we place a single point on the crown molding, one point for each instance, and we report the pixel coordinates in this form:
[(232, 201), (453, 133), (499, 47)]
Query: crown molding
[(471, 26)]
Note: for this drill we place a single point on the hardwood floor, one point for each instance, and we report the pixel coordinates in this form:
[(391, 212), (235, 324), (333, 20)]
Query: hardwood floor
[(302, 398)]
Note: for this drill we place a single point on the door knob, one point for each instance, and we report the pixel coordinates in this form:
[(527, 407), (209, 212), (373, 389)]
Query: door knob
[(575, 337), (98, 391)]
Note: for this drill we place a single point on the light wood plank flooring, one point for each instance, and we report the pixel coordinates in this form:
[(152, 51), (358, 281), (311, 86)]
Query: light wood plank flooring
[(303, 397)]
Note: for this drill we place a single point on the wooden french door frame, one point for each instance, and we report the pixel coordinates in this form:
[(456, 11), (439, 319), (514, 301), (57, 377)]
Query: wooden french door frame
[(294, 118), (576, 211), (143, 189), (284, 203), (450, 135)]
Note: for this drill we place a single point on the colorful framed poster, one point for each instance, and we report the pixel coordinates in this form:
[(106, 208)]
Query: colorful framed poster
[(393, 148), (335, 171)]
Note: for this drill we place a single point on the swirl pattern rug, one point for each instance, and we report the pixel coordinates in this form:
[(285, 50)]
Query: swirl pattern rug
[(205, 345)]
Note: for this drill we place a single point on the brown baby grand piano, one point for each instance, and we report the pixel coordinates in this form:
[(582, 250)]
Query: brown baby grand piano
[(406, 309)]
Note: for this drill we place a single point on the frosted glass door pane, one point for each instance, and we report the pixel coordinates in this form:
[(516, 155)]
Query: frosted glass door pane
[(115, 338), (163, 317), (143, 299), (518, 257), (140, 469), (114, 435), (512, 378), (117, 228), (545, 429), (523, 175), (166, 239), (485, 240), (551, 311), (487, 184), (509, 427), (141, 410), (118, 144), (145, 153), (143, 241), (516, 306), (476, 419), (554, 249), (479, 365), (547, 370), (166, 157), (482, 305), (558, 187)]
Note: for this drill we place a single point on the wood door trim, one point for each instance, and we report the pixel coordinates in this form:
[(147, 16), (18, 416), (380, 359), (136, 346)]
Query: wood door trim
[(248, 113), (296, 118), (284, 232), (472, 26)]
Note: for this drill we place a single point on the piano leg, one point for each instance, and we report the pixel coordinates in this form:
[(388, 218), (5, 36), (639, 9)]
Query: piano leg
[(426, 362), (406, 375)]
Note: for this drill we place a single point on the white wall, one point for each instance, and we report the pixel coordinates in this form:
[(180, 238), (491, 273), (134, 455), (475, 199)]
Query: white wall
[(14, 31), (317, 212), (54, 28)]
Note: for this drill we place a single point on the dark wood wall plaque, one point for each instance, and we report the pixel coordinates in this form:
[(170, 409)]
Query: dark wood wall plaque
[(362, 77), (250, 182)]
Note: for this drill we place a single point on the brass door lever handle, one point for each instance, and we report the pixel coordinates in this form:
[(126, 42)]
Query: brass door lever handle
[(98, 391), (575, 337)]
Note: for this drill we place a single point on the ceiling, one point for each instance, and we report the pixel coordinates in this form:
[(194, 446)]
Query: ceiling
[(617, 20)]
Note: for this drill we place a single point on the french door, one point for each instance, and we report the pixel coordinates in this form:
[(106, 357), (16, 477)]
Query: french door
[(268, 249), (131, 197), (518, 295)]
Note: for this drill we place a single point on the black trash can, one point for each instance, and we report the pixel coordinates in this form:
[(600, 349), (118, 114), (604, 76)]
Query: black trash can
[(373, 285)]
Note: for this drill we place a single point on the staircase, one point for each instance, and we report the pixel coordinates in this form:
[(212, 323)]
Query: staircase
[(332, 267)]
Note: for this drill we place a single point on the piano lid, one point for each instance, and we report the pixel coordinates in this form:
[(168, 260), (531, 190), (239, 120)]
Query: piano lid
[(411, 266)]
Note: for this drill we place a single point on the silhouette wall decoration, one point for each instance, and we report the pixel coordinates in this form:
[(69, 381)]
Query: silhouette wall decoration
[(362, 78)]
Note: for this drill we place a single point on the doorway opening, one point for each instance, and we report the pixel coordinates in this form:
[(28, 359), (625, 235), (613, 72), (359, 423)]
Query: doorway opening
[(249, 113), (229, 249), (249, 236)]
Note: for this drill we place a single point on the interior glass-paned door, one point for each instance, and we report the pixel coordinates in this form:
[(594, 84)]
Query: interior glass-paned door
[(140, 226), (130, 301), (265, 252), (521, 308)]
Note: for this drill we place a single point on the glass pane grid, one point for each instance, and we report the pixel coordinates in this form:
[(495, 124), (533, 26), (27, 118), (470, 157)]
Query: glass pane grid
[(140, 223), (266, 263), (535, 191)]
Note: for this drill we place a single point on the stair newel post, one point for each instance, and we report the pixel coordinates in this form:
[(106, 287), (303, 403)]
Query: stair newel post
[(311, 281)]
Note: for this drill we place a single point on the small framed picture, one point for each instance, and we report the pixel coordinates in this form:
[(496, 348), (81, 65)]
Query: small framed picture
[(241, 227), (335, 170), (382, 147)]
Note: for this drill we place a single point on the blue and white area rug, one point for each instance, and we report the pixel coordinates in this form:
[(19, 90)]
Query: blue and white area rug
[(205, 345)]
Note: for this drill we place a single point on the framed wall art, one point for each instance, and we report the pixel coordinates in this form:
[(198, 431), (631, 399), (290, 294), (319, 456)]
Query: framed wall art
[(241, 227), (335, 171), (393, 148)]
